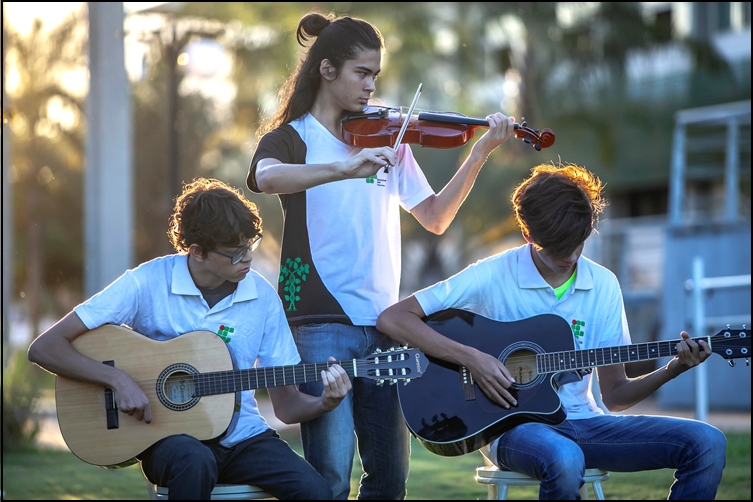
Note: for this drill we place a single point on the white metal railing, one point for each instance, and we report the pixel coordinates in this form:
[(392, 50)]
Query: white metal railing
[(697, 286), (730, 115)]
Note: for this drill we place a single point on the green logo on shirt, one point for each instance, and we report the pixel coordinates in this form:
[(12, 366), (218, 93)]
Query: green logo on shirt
[(224, 332), (578, 333), (293, 273), (374, 180)]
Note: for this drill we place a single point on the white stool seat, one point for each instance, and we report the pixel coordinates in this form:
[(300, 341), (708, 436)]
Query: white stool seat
[(498, 481), (220, 492)]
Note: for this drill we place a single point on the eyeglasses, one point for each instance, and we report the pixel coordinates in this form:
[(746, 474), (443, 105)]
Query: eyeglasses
[(236, 257)]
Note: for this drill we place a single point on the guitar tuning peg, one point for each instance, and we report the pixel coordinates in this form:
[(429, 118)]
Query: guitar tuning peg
[(537, 147), (524, 124), (731, 363), (407, 381), (392, 349), (405, 347), (393, 381), (378, 351), (747, 362), (380, 381)]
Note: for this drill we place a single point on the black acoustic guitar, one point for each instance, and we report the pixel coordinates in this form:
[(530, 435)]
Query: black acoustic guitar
[(450, 415)]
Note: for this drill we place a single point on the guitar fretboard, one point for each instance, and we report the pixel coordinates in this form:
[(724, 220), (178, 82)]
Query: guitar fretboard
[(554, 362), (221, 382)]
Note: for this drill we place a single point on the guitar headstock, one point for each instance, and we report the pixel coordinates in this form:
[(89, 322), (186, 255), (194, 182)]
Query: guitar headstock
[(732, 344), (398, 363)]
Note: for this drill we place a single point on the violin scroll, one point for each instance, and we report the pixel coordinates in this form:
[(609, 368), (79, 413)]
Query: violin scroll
[(538, 140)]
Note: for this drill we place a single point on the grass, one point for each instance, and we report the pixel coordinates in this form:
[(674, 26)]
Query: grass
[(34, 474)]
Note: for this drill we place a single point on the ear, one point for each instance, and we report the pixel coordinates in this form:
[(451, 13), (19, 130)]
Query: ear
[(194, 250), (327, 70), (527, 237)]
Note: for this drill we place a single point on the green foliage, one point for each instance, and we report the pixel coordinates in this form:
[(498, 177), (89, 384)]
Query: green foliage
[(46, 158), (22, 383)]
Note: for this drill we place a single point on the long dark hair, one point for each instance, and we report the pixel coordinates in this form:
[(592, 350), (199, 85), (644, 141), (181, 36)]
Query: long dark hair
[(558, 206), (338, 40)]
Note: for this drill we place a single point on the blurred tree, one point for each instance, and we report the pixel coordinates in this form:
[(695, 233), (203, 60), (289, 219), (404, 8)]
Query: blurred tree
[(47, 159), (154, 193)]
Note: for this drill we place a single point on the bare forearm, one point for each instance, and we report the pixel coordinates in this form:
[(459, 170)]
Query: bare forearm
[(438, 211), (632, 391), (292, 178), (406, 327), (300, 408), (53, 351)]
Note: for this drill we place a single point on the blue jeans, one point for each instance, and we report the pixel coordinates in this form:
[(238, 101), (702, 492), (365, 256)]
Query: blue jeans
[(558, 455), (190, 469), (371, 411)]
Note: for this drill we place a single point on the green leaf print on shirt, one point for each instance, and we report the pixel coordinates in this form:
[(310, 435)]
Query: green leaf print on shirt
[(293, 273)]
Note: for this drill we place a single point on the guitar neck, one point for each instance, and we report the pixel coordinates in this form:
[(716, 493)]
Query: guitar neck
[(555, 362), (223, 382)]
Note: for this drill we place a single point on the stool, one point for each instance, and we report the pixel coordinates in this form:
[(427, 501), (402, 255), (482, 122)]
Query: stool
[(498, 481), (220, 492)]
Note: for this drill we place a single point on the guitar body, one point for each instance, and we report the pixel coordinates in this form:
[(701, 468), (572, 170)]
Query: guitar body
[(81, 409), (450, 415)]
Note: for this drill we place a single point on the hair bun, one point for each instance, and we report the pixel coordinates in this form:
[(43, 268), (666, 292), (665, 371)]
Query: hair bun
[(311, 25)]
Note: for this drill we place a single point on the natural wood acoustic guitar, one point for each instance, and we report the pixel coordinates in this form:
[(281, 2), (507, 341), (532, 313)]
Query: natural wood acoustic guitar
[(192, 385)]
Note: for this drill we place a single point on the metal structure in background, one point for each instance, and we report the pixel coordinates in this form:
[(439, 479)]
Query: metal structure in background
[(708, 233), (108, 175), (7, 217), (697, 286), (729, 115)]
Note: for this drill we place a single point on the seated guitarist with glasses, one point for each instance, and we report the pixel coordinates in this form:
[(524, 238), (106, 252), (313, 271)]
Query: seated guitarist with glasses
[(557, 208), (208, 285)]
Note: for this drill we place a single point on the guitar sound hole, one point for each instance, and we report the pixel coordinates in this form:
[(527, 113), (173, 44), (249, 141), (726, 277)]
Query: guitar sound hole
[(179, 387), (176, 387), (522, 365)]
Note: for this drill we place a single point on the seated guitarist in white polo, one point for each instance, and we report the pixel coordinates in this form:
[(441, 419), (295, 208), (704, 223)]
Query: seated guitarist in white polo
[(207, 285), (557, 209)]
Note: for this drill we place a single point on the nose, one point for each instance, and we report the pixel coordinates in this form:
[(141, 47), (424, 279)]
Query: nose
[(249, 257), (370, 84)]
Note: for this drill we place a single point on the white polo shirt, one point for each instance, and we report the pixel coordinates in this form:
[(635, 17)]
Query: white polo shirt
[(160, 300), (508, 287)]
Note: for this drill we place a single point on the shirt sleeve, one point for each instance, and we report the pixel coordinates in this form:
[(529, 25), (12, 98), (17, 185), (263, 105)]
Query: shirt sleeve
[(277, 347), (615, 330), (116, 304), (414, 188), (276, 144), (461, 291)]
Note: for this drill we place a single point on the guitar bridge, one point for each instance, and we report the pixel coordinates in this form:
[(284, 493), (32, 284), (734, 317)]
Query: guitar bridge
[(466, 380), (111, 407)]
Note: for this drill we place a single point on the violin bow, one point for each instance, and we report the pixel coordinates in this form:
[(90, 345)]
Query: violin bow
[(405, 123)]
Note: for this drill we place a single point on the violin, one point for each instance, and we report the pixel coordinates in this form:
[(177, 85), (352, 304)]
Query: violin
[(381, 126)]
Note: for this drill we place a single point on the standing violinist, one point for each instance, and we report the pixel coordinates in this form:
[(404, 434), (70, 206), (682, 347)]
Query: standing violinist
[(340, 259)]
